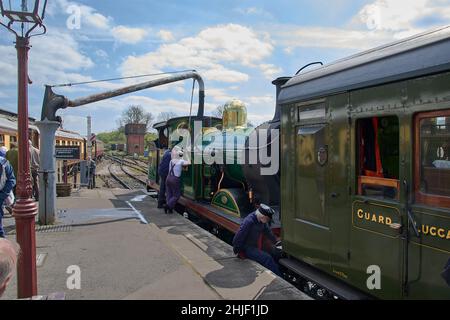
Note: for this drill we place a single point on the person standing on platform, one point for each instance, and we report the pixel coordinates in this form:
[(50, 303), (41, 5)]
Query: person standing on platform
[(245, 241), (3, 151), (9, 202), (13, 157), (91, 168), (34, 169), (163, 171), (7, 183), (173, 181)]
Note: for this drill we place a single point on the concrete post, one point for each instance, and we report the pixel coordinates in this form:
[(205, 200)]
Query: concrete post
[(47, 182)]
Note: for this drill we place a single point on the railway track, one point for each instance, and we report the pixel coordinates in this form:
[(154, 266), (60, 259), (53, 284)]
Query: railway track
[(116, 177), (124, 177), (129, 163)]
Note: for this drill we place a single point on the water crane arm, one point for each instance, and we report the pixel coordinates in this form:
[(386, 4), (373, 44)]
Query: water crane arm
[(53, 102)]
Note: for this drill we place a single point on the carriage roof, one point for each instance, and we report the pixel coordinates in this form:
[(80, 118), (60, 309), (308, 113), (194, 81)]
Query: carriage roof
[(416, 56)]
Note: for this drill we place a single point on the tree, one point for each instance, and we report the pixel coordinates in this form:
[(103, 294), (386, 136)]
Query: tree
[(218, 112), (149, 138), (135, 114), (111, 137), (164, 116)]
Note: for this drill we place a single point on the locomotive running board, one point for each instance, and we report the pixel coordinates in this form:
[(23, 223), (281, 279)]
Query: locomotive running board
[(339, 288)]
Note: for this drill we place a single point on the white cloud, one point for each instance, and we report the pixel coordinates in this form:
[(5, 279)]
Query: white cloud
[(397, 15), (207, 52), (379, 22), (220, 73), (324, 37), (128, 35), (254, 11), (55, 58), (89, 15), (75, 123), (270, 70), (288, 50), (218, 95), (95, 19), (101, 53), (166, 35), (258, 118), (267, 99), (8, 65)]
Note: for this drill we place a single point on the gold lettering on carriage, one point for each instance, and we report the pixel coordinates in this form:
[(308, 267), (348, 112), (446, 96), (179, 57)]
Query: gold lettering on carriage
[(434, 231), (373, 217)]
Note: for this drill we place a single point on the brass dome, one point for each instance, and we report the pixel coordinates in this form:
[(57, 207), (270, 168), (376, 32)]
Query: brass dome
[(234, 114)]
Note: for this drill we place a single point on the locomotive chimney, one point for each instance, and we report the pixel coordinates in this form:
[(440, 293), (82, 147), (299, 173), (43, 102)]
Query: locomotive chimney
[(278, 83)]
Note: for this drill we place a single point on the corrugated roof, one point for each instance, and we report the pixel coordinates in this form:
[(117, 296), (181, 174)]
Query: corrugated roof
[(416, 56)]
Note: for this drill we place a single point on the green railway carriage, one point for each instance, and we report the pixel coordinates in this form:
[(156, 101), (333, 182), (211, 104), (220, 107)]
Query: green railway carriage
[(365, 171)]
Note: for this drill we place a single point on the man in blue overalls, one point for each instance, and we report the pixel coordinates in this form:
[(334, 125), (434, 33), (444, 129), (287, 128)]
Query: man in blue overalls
[(173, 181), (163, 171), (7, 182), (246, 239)]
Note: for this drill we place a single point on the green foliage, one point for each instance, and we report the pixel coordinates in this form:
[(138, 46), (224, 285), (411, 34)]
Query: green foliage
[(112, 137), (149, 137)]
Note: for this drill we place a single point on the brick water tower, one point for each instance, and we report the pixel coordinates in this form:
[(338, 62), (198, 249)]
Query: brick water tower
[(135, 134)]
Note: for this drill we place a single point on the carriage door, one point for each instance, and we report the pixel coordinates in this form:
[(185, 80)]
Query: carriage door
[(311, 219), (375, 244), (429, 254)]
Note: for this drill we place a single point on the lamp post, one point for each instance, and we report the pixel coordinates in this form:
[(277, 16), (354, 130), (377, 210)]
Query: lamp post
[(27, 16)]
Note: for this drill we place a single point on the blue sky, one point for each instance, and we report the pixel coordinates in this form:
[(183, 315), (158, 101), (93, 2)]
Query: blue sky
[(238, 47)]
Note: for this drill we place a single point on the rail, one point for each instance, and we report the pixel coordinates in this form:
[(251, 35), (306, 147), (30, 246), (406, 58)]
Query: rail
[(115, 177), (119, 161)]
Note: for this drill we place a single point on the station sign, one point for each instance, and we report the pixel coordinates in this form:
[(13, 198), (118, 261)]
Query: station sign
[(67, 152)]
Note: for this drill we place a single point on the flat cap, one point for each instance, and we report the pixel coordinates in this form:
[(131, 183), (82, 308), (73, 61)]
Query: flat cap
[(266, 210)]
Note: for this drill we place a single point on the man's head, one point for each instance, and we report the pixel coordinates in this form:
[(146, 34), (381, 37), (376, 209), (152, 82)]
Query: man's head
[(264, 213), (177, 152), (3, 151), (9, 252)]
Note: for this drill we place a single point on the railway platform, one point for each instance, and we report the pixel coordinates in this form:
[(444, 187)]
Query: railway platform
[(120, 246)]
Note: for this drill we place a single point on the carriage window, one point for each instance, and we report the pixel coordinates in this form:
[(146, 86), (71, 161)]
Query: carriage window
[(378, 157), (434, 146)]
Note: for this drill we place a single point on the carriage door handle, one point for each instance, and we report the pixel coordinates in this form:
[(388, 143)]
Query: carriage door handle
[(334, 194)]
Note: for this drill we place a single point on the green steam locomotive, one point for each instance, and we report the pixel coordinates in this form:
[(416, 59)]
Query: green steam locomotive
[(363, 187)]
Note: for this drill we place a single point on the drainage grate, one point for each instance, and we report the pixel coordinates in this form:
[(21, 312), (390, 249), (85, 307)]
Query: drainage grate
[(48, 229)]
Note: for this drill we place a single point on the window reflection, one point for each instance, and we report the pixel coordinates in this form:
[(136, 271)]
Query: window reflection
[(435, 162)]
